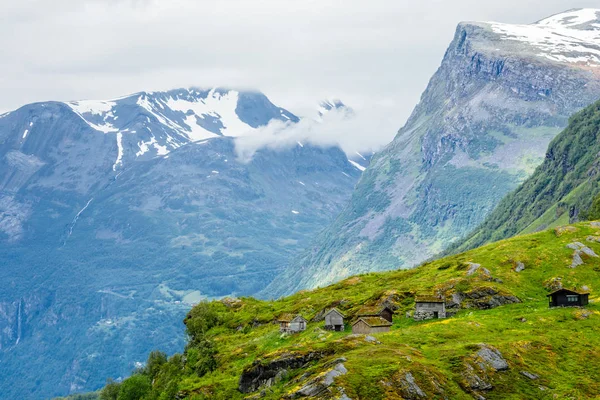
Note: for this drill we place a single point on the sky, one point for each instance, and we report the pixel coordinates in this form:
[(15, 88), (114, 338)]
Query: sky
[(377, 55)]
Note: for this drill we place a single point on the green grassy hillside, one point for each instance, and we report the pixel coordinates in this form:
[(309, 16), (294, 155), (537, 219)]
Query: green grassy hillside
[(560, 190), (502, 343)]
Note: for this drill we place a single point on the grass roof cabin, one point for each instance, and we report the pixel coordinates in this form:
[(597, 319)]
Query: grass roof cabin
[(369, 325), (376, 311), (568, 298), (334, 320), (292, 324)]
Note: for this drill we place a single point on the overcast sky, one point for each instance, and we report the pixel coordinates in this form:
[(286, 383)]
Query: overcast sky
[(371, 54)]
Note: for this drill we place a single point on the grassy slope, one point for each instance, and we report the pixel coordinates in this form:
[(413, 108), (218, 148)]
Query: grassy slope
[(559, 345), (563, 185)]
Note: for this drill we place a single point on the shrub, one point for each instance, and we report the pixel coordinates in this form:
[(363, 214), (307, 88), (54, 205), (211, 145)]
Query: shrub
[(134, 387)]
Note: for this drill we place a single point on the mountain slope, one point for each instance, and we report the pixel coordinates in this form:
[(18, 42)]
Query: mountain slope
[(116, 216), (502, 93), (559, 190), (502, 341)]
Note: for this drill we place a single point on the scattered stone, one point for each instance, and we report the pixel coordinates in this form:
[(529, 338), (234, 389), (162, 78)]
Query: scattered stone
[(520, 267), (543, 388), (491, 357), (320, 384), (577, 261), (474, 381), (595, 224), (485, 298), (410, 389), (564, 229), (371, 339), (579, 249), (472, 268), (593, 239), (523, 319), (530, 375)]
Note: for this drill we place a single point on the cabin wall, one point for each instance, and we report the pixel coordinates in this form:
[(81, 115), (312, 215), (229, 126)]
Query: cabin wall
[(297, 326), (361, 328), (425, 311), (334, 319), (561, 300)]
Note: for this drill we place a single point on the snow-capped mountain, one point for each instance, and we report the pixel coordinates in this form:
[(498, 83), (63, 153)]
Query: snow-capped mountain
[(116, 215), (482, 126), (150, 124)]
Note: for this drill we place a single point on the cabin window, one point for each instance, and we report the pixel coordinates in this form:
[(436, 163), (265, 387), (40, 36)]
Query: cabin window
[(572, 298)]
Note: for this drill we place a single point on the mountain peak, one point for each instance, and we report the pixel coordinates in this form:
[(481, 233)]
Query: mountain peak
[(326, 106), (570, 37)]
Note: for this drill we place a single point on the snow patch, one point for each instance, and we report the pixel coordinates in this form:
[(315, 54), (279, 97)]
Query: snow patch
[(295, 212), (357, 165), (119, 151), (25, 133), (569, 37)]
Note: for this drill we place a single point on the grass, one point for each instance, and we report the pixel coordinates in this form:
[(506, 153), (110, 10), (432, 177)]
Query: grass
[(560, 345)]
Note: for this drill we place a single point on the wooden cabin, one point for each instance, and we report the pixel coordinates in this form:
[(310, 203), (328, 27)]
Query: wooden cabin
[(291, 324), (369, 325), (429, 307), (284, 323), (334, 320), (567, 298), (376, 311), (298, 324)]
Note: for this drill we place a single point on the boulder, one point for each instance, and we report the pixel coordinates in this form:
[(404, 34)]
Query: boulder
[(263, 373), (320, 384), (579, 249), (410, 389), (491, 358), (520, 267)]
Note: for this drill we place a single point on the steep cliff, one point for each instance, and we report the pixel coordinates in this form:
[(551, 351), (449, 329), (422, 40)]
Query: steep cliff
[(501, 94)]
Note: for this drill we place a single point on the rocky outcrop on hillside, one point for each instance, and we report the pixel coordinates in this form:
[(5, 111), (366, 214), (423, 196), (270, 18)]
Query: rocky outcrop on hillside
[(482, 126)]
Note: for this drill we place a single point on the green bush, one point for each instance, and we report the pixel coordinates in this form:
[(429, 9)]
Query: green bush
[(134, 387), (110, 391)]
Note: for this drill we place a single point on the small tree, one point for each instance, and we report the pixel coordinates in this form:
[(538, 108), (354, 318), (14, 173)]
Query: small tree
[(156, 360), (134, 387), (110, 390)]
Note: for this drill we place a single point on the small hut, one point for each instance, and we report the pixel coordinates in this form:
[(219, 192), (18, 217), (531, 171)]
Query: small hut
[(334, 320), (284, 323), (429, 307), (298, 324), (369, 325), (376, 311), (567, 298)]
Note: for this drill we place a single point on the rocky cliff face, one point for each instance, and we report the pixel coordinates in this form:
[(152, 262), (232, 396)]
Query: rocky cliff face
[(116, 216), (481, 127)]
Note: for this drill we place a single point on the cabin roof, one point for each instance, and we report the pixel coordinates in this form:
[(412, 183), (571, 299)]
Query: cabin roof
[(373, 322), (285, 318), (335, 310), (299, 317), (428, 299), (367, 311), (563, 290)]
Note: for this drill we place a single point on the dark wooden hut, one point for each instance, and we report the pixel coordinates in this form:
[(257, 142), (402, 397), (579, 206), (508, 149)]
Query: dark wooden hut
[(567, 298)]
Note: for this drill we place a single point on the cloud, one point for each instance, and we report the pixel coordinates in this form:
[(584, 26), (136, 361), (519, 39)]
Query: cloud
[(375, 55), (363, 132)]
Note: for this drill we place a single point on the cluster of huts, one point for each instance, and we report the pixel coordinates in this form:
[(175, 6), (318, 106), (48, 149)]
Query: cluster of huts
[(377, 319)]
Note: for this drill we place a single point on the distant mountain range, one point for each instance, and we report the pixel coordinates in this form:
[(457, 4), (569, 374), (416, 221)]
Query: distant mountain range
[(483, 124), (116, 216)]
